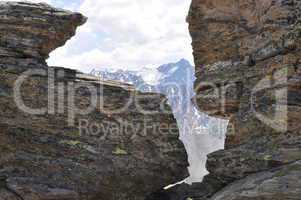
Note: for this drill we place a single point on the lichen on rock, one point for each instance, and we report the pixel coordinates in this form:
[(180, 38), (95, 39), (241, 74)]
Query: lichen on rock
[(58, 152)]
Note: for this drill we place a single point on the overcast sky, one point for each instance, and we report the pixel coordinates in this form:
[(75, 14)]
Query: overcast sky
[(125, 34)]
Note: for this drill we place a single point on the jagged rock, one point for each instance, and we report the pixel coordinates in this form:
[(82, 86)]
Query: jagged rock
[(34, 30), (278, 184), (262, 153), (51, 150), (247, 56)]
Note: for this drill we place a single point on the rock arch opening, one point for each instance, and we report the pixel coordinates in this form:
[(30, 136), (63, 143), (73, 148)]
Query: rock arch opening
[(200, 133)]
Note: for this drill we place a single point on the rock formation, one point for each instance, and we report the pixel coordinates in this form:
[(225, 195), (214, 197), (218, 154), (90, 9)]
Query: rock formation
[(247, 55), (53, 146), (34, 30)]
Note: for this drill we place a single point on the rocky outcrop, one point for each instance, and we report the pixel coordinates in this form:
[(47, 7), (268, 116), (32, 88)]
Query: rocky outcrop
[(278, 184), (247, 55), (66, 135), (34, 30)]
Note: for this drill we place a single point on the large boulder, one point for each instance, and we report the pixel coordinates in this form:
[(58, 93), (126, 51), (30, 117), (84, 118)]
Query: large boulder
[(247, 57), (281, 183), (67, 135)]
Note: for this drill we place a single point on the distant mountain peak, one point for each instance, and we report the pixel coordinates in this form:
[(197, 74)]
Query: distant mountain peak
[(182, 64), (183, 61)]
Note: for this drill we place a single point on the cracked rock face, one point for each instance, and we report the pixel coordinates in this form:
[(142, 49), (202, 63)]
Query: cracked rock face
[(247, 57), (238, 43), (61, 153)]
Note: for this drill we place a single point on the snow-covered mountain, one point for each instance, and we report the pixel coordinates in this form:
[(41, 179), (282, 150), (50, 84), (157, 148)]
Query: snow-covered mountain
[(200, 133)]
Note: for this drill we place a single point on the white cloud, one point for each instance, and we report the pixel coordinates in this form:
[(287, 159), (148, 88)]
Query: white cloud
[(128, 33), (125, 33)]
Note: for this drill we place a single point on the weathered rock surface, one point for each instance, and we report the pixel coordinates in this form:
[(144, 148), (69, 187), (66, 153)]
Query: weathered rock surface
[(238, 43), (247, 55), (50, 149), (34, 30), (278, 184)]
